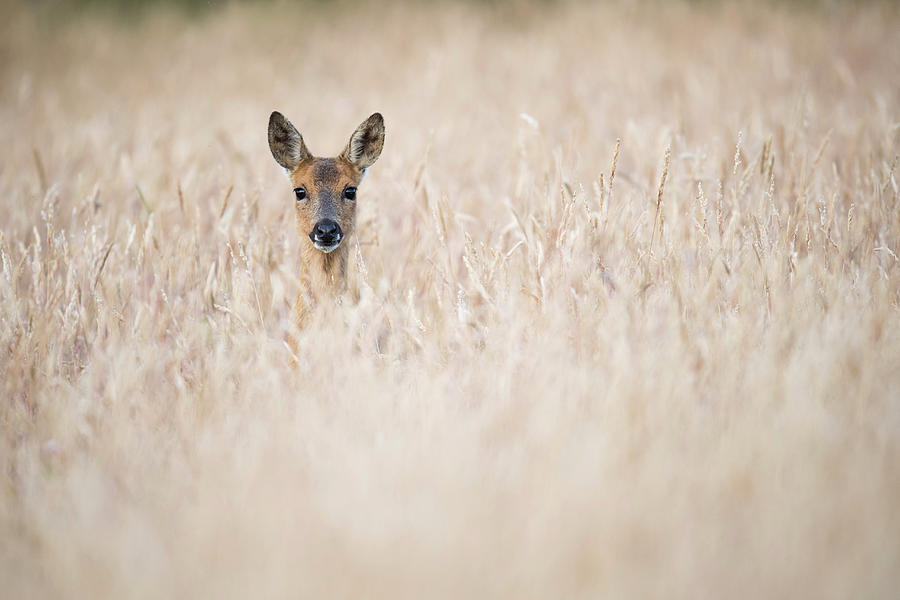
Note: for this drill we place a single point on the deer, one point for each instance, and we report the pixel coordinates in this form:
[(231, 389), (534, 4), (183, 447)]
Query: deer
[(325, 191)]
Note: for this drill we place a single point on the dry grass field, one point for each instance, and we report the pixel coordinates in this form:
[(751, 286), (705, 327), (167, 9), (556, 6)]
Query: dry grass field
[(628, 321)]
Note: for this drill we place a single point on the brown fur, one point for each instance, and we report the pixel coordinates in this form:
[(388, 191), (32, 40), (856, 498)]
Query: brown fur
[(323, 275)]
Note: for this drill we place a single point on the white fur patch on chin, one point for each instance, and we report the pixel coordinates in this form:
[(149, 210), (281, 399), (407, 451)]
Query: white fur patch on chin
[(327, 249)]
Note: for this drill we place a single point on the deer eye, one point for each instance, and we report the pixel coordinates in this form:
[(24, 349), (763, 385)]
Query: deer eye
[(350, 193), (301, 193)]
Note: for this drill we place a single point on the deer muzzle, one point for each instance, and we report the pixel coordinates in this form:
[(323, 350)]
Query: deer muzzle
[(326, 235)]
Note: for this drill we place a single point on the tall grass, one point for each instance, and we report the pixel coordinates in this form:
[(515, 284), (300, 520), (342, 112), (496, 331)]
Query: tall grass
[(628, 318)]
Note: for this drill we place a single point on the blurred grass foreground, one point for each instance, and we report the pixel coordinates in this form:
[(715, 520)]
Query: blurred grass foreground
[(627, 324)]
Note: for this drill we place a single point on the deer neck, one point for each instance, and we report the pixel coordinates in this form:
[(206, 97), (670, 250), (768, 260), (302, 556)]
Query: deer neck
[(324, 275)]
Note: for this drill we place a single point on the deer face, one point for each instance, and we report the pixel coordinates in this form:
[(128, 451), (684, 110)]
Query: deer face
[(325, 191), (325, 188)]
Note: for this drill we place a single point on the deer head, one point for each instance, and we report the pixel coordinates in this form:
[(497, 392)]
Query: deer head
[(325, 188)]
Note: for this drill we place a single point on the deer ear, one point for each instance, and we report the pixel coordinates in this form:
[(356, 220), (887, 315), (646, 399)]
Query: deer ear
[(285, 142), (366, 142)]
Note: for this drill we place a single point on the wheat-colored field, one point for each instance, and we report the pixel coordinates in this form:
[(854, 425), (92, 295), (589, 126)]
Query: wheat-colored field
[(629, 314)]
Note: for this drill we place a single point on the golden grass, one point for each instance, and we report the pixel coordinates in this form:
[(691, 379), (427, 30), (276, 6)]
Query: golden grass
[(569, 374)]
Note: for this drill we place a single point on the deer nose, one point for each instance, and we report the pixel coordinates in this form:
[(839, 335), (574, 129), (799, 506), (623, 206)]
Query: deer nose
[(326, 231)]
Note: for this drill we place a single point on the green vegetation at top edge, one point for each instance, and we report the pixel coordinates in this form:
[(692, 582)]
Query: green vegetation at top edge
[(49, 11)]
